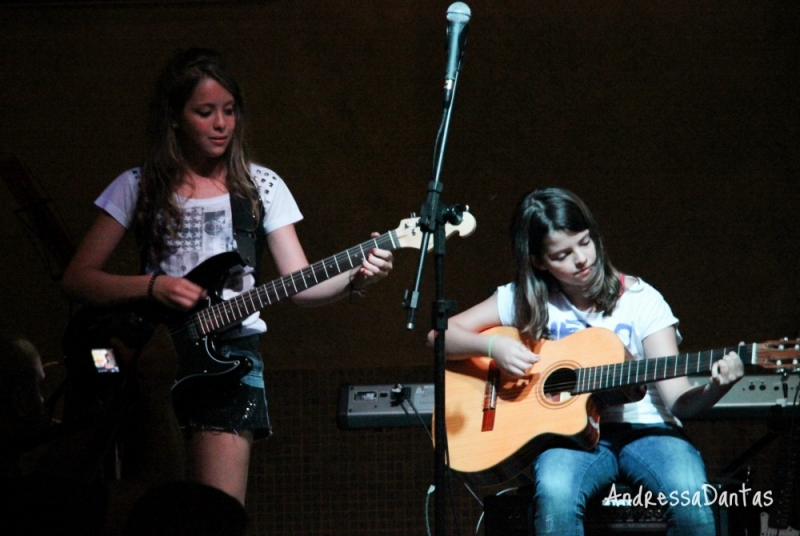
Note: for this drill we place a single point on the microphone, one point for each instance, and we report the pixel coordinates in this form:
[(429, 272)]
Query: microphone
[(458, 16)]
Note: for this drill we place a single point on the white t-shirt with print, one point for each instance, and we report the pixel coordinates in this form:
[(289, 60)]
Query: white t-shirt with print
[(640, 312), (207, 227)]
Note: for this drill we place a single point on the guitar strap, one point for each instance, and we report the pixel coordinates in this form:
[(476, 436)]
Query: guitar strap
[(248, 231)]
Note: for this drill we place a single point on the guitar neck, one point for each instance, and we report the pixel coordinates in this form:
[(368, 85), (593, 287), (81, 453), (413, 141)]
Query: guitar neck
[(234, 310), (618, 375)]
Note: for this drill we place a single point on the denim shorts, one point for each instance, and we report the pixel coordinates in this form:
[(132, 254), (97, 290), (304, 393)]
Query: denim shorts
[(231, 405)]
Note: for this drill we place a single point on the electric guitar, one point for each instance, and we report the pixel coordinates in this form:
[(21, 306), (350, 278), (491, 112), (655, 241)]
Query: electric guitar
[(497, 425), (195, 333)]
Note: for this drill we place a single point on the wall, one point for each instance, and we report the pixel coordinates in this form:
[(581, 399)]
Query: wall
[(677, 123)]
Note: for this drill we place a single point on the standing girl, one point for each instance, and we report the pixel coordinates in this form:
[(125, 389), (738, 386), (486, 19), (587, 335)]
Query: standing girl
[(178, 203), (564, 283)]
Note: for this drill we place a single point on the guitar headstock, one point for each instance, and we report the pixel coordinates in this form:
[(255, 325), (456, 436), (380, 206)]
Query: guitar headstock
[(782, 355), (410, 234)]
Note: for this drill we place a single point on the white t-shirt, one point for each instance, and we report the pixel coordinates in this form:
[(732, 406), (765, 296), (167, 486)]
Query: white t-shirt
[(640, 312), (207, 227)]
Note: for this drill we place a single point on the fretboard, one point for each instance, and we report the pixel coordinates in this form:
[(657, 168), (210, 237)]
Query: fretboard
[(603, 377), (236, 309)]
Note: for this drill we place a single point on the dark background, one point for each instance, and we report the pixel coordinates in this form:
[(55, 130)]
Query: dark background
[(677, 122)]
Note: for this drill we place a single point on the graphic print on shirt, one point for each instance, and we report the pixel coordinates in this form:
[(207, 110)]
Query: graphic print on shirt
[(204, 233), (559, 330)]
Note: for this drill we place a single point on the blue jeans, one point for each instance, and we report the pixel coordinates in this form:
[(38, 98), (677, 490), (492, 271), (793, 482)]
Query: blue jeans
[(648, 457)]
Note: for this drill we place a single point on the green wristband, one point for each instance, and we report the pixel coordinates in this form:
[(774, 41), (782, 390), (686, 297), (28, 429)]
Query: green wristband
[(489, 352)]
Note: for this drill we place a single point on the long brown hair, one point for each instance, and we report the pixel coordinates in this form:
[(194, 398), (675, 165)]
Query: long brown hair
[(538, 214), (158, 215)]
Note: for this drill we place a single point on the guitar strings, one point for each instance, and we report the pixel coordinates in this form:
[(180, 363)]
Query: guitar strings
[(228, 312), (616, 375)]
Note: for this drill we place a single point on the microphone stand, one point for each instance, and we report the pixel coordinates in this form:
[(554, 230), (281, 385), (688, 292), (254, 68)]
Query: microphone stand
[(434, 216)]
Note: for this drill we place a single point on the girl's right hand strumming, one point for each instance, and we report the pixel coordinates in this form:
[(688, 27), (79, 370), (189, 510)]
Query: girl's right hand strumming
[(512, 356), (177, 292)]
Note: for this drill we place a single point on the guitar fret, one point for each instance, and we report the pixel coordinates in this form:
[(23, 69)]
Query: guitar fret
[(283, 284), (266, 294), (212, 321), (209, 319), (203, 324), (243, 305), (338, 270)]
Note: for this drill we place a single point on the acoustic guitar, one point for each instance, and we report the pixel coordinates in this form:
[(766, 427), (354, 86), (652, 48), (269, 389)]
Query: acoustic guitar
[(497, 425)]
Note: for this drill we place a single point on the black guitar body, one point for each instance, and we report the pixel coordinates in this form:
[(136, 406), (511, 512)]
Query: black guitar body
[(199, 362)]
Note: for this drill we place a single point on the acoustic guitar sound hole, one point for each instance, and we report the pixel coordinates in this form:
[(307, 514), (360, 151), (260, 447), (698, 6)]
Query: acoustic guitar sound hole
[(559, 385)]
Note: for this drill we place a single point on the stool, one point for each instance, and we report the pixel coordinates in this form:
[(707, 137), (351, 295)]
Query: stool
[(623, 516)]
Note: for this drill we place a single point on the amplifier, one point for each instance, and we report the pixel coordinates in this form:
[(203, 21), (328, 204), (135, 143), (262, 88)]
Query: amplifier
[(385, 405), (752, 397), (390, 405)]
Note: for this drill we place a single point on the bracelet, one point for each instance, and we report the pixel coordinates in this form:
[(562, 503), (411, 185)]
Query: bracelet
[(489, 353), (150, 286)]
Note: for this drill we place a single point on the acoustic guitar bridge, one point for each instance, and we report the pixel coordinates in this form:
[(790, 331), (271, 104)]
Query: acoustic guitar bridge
[(490, 397)]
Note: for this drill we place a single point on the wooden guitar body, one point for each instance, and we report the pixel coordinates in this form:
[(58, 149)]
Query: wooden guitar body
[(532, 412)]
